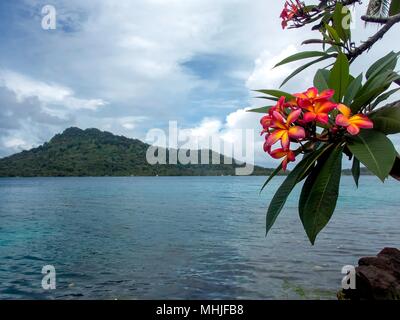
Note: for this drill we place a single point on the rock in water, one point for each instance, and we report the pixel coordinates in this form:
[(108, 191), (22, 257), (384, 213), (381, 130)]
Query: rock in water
[(377, 278)]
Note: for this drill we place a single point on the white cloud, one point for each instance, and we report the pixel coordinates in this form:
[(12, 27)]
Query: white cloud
[(264, 75), (231, 132), (116, 124), (16, 143), (25, 87)]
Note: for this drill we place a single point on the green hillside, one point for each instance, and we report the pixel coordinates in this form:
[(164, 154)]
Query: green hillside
[(92, 152)]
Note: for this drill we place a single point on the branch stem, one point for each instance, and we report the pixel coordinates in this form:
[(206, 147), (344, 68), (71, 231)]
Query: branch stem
[(367, 45)]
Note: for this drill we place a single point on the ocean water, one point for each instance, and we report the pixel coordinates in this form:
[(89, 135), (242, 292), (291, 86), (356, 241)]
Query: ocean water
[(181, 238)]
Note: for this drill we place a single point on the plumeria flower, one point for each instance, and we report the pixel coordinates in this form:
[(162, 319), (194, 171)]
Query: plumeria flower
[(312, 96), (266, 123), (267, 147), (280, 106), (287, 154), (352, 123), (284, 130), (317, 105), (290, 11)]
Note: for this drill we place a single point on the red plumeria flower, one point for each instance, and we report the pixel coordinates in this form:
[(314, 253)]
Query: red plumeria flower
[(267, 147), (290, 11), (267, 120), (284, 130), (317, 105), (287, 154), (352, 123), (266, 123)]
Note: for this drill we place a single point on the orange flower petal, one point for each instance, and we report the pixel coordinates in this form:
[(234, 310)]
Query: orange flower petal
[(345, 110), (323, 118), (278, 153), (285, 140), (309, 117), (293, 116), (278, 117), (275, 136), (326, 94), (353, 129), (362, 121), (301, 96), (305, 104), (312, 93), (297, 133), (342, 120), (291, 156), (325, 106)]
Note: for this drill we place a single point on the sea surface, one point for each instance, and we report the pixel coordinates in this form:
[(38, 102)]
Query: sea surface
[(182, 238)]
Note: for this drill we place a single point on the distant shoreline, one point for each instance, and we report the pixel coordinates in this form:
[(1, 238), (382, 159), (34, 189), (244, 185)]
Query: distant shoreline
[(94, 153), (162, 176)]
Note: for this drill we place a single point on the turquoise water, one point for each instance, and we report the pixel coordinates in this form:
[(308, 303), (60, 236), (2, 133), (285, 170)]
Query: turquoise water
[(181, 238)]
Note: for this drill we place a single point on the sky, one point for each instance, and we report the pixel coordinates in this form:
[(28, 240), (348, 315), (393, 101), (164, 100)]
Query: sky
[(131, 66)]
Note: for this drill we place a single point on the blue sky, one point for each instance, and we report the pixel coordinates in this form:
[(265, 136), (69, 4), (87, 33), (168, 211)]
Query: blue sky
[(130, 66)]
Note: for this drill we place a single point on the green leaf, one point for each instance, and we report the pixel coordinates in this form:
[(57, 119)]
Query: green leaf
[(321, 192), (303, 67), (352, 90), (300, 56), (387, 63), (276, 93), (279, 168), (383, 79), (260, 110), (280, 197), (339, 78), (321, 79), (355, 170), (372, 89), (373, 149), (394, 8), (340, 14), (384, 97), (308, 184), (387, 119), (332, 33), (267, 98), (271, 176)]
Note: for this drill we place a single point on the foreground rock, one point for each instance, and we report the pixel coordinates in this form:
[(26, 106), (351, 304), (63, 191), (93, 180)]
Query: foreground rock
[(377, 278)]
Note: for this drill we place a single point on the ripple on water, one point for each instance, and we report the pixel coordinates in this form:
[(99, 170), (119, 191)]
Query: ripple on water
[(182, 238)]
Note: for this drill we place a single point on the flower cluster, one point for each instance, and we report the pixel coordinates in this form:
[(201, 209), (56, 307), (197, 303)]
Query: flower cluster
[(293, 9), (296, 121)]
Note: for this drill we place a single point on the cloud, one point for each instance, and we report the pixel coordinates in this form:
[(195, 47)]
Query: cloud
[(16, 143), (118, 124), (129, 66), (265, 75), (238, 133), (49, 95), (32, 111)]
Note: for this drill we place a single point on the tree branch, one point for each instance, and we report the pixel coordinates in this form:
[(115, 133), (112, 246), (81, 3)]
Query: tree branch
[(319, 41), (374, 19), (324, 4), (391, 21)]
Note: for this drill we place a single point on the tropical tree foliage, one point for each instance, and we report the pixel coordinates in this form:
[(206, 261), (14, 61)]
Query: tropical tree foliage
[(340, 115)]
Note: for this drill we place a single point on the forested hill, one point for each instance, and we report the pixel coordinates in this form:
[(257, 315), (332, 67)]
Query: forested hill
[(92, 152)]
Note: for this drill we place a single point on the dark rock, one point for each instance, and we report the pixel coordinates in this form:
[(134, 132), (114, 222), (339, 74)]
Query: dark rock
[(377, 278)]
